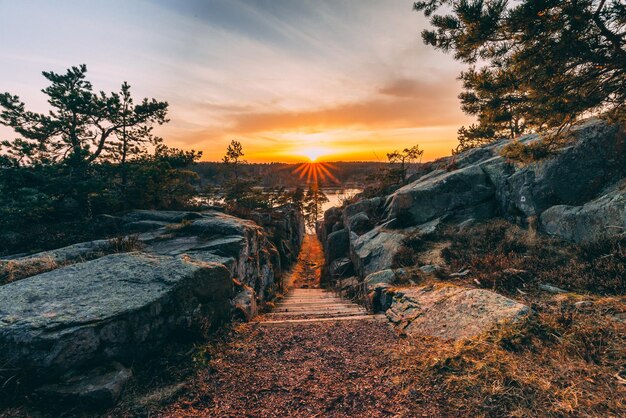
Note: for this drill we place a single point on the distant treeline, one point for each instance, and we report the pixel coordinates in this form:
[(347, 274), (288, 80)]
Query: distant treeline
[(343, 174)]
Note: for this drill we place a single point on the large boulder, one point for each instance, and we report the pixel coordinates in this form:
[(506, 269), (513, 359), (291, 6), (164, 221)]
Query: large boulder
[(451, 312), (375, 250), (337, 245), (113, 308), (467, 191), (594, 158), (331, 222), (285, 228), (596, 219), (360, 217)]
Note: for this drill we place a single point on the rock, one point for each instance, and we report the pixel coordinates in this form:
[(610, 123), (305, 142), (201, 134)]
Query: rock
[(98, 388), (244, 304), (551, 289), (341, 267), (390, 276), (374, 251), (337, 245), (349, 285), (430, 268), (577, 173), (144, 226), (112, 308), (381, 297), (360, 223), (599, 218), (332, 217), (285, 229), (218, 223), (167, 216), (467, 191), (451, 312), (22, 267), (386, 276), (360, 217)]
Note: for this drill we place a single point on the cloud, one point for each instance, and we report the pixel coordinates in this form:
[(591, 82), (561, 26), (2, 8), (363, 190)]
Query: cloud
[(378, 113), (410, 88)]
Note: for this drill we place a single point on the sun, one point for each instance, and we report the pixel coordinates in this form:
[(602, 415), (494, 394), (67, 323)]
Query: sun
[(313, 153)]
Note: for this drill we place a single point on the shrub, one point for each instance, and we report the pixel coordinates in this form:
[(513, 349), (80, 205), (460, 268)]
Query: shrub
[(527, 153)]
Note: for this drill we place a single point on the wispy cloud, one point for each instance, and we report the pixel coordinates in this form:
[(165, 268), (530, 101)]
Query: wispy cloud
[(274, 73)]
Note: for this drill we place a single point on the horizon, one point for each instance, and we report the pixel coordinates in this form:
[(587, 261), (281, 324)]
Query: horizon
[(292, 81)]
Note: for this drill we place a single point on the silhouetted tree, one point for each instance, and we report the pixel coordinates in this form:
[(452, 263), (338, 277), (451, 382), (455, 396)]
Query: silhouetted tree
[(314, 200), (401, 161)]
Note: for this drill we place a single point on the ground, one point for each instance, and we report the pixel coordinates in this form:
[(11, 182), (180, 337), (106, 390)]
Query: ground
[(307, 271), (565, 360), (325, 369)]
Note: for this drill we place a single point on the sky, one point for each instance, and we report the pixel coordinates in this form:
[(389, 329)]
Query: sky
[(336, 79)]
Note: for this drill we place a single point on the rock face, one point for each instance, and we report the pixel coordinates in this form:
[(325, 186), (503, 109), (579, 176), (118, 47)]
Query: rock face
[(18, 268), (596, 219), (374, 251), (114, 307), (451, 312), (575, 194), (467, 190), (578, 194), (196, 270), (100, 387)]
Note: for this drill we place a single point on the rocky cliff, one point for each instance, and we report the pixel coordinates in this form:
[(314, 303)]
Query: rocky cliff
[(577, 194), (109, 302)]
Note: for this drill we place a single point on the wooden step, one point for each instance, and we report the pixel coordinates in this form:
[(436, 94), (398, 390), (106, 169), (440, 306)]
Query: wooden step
[(287, 315), (314, 306), (313, 309), (305, 321)]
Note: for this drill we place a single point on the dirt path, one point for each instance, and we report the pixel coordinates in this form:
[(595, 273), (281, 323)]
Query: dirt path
[(330, 368), (307, 272)]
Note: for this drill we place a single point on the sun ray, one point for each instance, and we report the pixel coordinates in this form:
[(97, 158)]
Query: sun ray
[(315, 173)]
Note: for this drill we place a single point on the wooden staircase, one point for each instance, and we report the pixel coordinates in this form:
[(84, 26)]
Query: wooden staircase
[(315, 305)]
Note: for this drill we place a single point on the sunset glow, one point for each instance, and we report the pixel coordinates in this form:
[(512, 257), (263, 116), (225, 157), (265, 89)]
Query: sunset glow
[(314, 153), (290, 81)]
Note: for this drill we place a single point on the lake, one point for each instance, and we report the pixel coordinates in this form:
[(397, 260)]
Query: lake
[(336, 196)]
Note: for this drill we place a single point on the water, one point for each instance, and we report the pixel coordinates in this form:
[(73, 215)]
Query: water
[(336, 196)]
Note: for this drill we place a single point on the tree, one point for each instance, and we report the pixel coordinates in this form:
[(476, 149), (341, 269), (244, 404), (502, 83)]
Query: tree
[(547, 62), (314, 200), (83, 128), (90, 154), (400, 161), (77, 129), (232, 159)]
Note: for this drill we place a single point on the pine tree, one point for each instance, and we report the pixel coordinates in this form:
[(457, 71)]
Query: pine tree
[(547, 62)]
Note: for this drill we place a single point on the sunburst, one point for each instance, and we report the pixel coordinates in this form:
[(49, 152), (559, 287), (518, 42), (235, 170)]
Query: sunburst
[(316, 172)]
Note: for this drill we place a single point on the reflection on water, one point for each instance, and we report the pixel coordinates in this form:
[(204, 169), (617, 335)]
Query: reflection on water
[(337, 196)]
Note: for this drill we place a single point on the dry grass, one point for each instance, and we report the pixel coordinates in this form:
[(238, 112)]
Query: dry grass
[(14, 270), (125, 244), (568, 359), (554, 364), (506, 258)]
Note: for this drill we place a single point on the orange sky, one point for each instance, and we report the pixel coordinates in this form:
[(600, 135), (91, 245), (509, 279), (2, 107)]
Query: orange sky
[(348, 80)]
